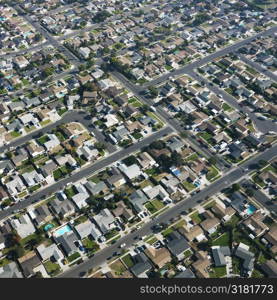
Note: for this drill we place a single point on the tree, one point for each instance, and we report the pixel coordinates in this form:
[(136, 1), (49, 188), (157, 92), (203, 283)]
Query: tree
[(262, 163), (144, 108), (153, 91), (99, 146), (17, 252), (212, 160), (164, 161), (184, 135), (235, 187), (176, 159), (249, 192), (158, 145)]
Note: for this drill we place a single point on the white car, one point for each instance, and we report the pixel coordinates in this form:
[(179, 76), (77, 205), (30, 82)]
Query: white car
[(122, 245)]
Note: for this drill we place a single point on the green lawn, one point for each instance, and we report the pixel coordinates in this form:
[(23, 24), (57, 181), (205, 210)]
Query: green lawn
[(206, 136), (57, 174), (70, 192), (52, 268), (62, 111), (92, 246), (80, 220), (118, 267), (258, 181), (43, 139), (168, 68), (196, 217), (152, 171), (153, 116), (226, 107), (167, 231), (270, 168), (111, 234), (218, 272), (23, 194), (187, 253), (223, 240), (257, 274), (157, 204), (15, 134), (34, 188), (4, 262), (127, 260), (213, 173), (236, 265), (180, 224), (73, 256), (151, 241), (30, 128), (188, 186), (94, 179), (192, 157), (44, 123), (150, 207)]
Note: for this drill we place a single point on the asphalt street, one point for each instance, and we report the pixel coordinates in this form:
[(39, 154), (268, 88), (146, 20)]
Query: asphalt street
[(258, 67), (74, 60), (85, 172), (72, 116), (263, 126), (209, 58), (168, 119), (233, 176)]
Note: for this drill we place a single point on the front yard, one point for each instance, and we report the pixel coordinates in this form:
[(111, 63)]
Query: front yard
[(127, 260), (212, 174), (52, 268)]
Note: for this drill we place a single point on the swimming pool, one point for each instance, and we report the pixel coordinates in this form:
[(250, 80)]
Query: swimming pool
[(62, 230), (48, 227), (251, 209)]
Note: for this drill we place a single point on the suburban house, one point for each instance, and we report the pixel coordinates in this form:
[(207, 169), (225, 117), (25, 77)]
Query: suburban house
[(10, 270), (67, 242), (63, 208), (105, 220), (186, 274), (193, 233), (201, 265), (255, 224), (142, 265), (51, 252), (122, 211), (271, 238), (32, 178), (41, 215), (130, 172), (159, 257), (23, 226), (269, 268), (177, 245), (247, 257), (96, 188), (145, 160), (30, 264), (87, 229), (219, 254), (138, 199), (210, 224), (222, 211)]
